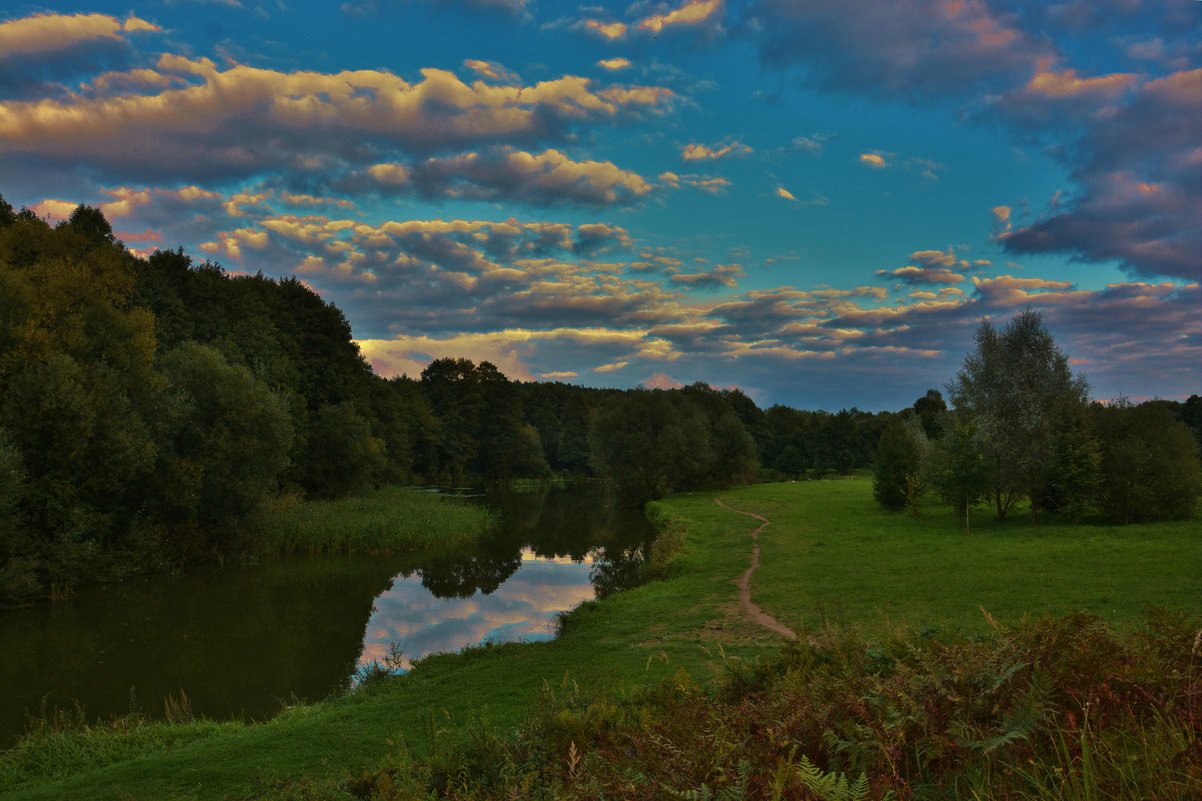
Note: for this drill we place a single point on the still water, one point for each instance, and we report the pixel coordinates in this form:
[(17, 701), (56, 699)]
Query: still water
[(241, 641)]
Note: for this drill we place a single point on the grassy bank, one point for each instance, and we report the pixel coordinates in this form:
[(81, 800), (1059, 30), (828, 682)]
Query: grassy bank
[(827, 546), (383, 522)]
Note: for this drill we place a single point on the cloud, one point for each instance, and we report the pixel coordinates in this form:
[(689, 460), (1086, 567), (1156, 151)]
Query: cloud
[(242, 119), (1006, 291), (726, 275), (875, 160), (1001, 221), (1068, 83), (546, 178), (784, 193), (47, 33), (690, 13), (699, 152), (492, 71), (1128, 138), (922, 275), (661, 381), (610, 31), (1139, 172), (614, 64), (706, 183), (510, 349), (813, 144), (897, 48)]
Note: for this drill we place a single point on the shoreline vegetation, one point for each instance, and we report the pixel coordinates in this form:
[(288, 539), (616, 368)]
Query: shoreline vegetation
[(382, 522), (920, 692)]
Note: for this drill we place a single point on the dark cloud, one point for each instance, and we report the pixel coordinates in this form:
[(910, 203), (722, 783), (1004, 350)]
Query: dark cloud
[(897, 48), (721, 275), (1139, 198)]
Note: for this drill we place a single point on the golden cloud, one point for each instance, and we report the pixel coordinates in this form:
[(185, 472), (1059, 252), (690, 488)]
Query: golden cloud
[(606, 30), (1069, 84), (911, 274), (167, 127), (1007, 291), (693, 12), (50, 32), (874, 160), (698, 152), (614, 64), (706, 183)]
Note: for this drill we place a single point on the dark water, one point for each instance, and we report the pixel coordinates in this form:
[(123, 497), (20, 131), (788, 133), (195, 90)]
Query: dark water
[(241, 641)]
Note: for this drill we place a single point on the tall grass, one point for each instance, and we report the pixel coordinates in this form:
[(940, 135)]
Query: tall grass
[(63, 742), (385, 522)]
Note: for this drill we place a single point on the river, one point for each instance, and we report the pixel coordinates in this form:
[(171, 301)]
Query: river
[(243, 640)]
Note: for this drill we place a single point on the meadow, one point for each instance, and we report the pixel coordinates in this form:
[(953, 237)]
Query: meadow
[(869, 588)]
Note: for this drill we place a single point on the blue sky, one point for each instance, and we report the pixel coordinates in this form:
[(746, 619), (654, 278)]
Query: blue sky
[(816, 205)]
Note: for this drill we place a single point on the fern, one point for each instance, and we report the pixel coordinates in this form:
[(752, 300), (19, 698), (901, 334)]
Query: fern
[(831, 786), (1028, 710)]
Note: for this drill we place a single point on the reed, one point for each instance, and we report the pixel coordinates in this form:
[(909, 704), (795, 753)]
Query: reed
[(385, 522)]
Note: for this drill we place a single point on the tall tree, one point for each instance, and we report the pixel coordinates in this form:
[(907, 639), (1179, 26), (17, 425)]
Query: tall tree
[(898, 465), (930, 409), (1015, 386)]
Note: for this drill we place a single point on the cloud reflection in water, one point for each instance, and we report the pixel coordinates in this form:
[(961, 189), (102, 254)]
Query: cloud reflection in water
[(522, 608)]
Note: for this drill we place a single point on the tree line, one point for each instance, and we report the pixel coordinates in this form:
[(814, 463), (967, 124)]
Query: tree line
[(148, 405), (1023, 429)]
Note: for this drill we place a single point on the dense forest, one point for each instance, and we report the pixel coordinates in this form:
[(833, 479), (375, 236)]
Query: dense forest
[(148, 405)]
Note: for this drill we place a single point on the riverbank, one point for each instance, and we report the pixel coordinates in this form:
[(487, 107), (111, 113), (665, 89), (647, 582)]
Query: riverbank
[(826, 540)]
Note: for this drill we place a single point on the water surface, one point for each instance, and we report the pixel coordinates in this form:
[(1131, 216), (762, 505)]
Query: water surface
[(241, 641)]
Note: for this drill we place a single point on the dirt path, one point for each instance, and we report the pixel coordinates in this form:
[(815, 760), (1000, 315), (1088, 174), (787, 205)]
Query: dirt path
[(753, 611)]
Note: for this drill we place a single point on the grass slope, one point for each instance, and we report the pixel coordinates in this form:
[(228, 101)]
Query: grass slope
[(827, 548)]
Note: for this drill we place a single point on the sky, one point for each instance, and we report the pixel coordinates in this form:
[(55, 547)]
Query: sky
[(816, 202)]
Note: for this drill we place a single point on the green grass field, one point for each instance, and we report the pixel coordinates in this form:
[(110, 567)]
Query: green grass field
[(829, 550)]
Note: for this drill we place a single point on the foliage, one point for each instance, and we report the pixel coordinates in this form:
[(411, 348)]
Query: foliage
[(1149, 464), (899, 459), (654, 442), (958, 468), (1072, 482), (345, 456), (1017, 715), (224, 433), (931, 410), (1015, 385)]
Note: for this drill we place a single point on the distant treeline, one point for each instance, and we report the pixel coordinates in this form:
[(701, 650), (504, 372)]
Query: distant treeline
[(148, 405)]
